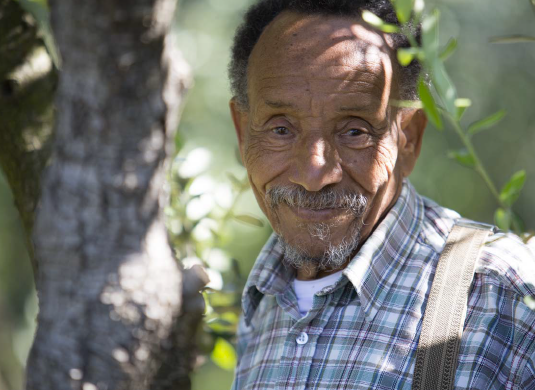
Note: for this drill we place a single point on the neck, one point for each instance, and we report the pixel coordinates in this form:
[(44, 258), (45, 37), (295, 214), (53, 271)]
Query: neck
[(312, 272)]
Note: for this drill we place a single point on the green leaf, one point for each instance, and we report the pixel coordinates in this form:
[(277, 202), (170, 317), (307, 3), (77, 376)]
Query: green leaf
[(249, 220), (530, 302), (462, 104), (463, 157), (448, 49), (502, 219), (406, 55), (443, 85), (378, 23), (439, 77), (517, 223), (430, 35), (512, 39), (429, 104), (39, 10), (231, 317), (224, 354), (486, 123), (403, 10), (219, 325), (222, 326), (511, 191), (460, 112)]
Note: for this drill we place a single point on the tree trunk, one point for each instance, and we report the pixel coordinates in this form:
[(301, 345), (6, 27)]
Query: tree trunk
[(116, 311)]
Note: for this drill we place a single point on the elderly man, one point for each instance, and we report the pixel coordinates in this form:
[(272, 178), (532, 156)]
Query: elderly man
[(337, 296)]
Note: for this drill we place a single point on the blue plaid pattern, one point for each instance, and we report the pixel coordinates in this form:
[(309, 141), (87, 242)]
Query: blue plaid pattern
[(362, 332)]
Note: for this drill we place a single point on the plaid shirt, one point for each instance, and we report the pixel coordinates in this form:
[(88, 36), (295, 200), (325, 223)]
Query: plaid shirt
[(362, 332)]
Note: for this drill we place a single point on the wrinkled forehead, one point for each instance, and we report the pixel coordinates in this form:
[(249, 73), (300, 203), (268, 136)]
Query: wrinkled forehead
[(328, 46), (299, 33)]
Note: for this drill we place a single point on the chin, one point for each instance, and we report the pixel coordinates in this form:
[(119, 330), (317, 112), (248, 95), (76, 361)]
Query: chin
[(320, 246)]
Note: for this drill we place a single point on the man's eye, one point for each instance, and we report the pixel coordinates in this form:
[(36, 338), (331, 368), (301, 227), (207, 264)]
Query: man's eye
[(281, 130), (355, 132)]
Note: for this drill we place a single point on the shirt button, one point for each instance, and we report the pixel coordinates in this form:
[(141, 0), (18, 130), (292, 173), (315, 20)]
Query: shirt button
[(302, 339)]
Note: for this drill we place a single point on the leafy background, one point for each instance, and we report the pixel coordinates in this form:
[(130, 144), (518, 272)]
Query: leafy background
[(214, 219)]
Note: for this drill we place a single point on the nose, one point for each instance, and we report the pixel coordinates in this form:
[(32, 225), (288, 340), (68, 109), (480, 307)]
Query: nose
[(317, 164)]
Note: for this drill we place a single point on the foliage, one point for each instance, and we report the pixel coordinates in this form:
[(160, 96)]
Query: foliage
[(39, 10), (198, 217), (447, 105)]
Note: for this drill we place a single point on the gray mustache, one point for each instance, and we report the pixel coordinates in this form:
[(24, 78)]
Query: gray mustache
[(326, 198)]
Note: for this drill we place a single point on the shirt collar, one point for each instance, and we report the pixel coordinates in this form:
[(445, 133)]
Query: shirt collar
[(372, 271), (269, 276), (375, 267)]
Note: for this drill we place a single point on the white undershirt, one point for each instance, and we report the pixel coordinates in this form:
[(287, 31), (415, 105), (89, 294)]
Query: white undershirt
[(305, 290)]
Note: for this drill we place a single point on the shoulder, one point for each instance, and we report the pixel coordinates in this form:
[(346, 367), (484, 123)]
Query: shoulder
[(504, 277), (508, 261), (436, 224), (505, 258), (498, 314)]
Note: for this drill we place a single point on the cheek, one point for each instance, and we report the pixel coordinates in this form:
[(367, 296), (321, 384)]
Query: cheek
[(263, 166), (373, 167), (386, 157), (262, 163)]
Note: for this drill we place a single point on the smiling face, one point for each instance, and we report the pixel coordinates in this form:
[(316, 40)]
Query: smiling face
[(319, 129)]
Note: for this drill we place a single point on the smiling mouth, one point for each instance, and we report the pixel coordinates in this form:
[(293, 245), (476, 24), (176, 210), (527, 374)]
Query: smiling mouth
[(316, 215)]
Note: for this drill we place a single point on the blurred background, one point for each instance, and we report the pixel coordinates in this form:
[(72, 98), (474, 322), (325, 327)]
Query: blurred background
[(213, 208)]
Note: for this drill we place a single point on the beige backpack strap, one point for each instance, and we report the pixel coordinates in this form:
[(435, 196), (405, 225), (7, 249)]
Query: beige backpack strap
[(442, 328)]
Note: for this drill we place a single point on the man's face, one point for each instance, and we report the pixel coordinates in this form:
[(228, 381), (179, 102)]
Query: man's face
[(319, 126)]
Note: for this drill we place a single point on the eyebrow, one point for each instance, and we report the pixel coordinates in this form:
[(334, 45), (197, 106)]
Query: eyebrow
[(357, 108), (280, 104), (363, 108)]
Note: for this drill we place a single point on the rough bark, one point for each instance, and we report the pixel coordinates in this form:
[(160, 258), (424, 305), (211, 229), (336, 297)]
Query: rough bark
[(116, 311), (27, 84)]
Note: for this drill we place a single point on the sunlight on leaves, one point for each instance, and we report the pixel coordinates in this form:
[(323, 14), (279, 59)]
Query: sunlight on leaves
[(39, 10), (224, 354), (403, 9), (378, 23), (406, 55), (462, 104)]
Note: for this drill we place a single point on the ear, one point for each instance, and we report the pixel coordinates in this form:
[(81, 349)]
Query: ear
[(413, 123), (240, 119)]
